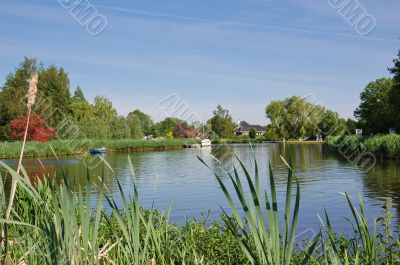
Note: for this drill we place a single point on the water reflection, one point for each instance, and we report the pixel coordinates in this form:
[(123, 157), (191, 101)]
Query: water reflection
[(178, 177), (384, 181)]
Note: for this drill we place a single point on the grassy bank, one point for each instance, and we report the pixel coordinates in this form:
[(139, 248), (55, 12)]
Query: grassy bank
[(69, 147), (382, 146), (52, 225)]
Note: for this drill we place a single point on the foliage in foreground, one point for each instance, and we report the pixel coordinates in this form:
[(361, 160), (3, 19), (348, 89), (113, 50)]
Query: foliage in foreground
[(52, 225)]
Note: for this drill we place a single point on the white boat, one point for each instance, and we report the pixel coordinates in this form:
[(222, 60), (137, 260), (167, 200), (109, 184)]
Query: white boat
[(206, 143)]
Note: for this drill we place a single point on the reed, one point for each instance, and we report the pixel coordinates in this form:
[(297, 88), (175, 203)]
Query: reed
[(383, 146), (49, 224), (81, 146)]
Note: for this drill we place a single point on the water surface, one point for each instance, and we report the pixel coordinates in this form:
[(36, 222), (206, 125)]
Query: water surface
[(179, 179)]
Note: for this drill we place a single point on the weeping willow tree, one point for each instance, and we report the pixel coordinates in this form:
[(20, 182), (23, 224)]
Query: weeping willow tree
[(295, 117)]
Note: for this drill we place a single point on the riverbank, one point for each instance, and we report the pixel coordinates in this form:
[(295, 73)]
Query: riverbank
[(10, 150), (382, 146)]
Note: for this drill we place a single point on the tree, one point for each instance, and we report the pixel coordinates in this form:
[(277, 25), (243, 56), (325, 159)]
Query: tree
[(146, 122), (394, 95), (12, 95), (170, 124), (351, 126), (135, 126), (78, 94), (295, 117), (252, 133), (38, 130), (80, 107), (104, 109), (222, 122), (271, 134), (331, 124), (94, 128), (53, 98), (120, 128), (53, 87), (375, 112)]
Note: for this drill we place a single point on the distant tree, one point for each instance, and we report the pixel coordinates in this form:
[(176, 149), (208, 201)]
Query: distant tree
[(53, 87), (80, 107), (351, 126), (222, 122), (78, 94), (295, 117), (53, 98), (271, 133), (146, 122), (38, 130), (12, 94), (167, 125), (331, 124), (135, 126), (94, 128), (252, 133), (394, 95), (375, 111), (104, 109), (120, 128)]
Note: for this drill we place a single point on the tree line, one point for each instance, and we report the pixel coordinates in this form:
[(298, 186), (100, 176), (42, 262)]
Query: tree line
[(291, 118), (378, 113), (97, 120)]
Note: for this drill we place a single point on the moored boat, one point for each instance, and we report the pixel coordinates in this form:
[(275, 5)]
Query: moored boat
[(206, 143), (98, 150)]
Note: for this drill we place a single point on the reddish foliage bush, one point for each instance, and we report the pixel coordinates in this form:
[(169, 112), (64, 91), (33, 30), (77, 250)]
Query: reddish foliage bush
[(38, 130)]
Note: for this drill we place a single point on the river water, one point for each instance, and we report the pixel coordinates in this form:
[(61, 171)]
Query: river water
[(179, 179)]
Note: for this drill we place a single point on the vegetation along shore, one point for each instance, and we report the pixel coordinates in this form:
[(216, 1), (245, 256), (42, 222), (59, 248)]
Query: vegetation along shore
[(67, 147), (382, 146)]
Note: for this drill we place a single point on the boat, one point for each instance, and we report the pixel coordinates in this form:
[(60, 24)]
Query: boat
[(206, 143), (98, 150)]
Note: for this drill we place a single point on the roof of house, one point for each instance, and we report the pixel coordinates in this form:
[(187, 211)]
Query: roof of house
[(245, 127)]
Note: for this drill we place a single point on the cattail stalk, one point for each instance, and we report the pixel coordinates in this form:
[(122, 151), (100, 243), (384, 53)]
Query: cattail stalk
[(32, 91)]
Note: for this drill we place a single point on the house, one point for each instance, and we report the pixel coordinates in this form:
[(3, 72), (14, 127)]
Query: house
[(243, 128)]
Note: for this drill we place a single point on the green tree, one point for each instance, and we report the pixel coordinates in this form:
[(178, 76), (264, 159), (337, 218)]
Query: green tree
[(222, 123), (170, 124), (95, 128), (146, 122), (375, 112), (12, 95), (351, 126), (120, 128), (135, 126), (394, 95), (104, 109), (78, 94), (295, 117), (331, 124), (271, 133), (252, 133), (80, 107), (53, 87)]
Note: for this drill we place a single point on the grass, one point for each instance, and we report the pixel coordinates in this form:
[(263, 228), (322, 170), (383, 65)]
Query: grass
[(382, 146), (69, 147), (51, 225)]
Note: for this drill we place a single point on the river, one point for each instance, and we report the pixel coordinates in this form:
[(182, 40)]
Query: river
[(179, 179)]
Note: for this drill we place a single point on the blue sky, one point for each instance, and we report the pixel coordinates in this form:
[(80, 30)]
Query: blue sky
[(238, 53)]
